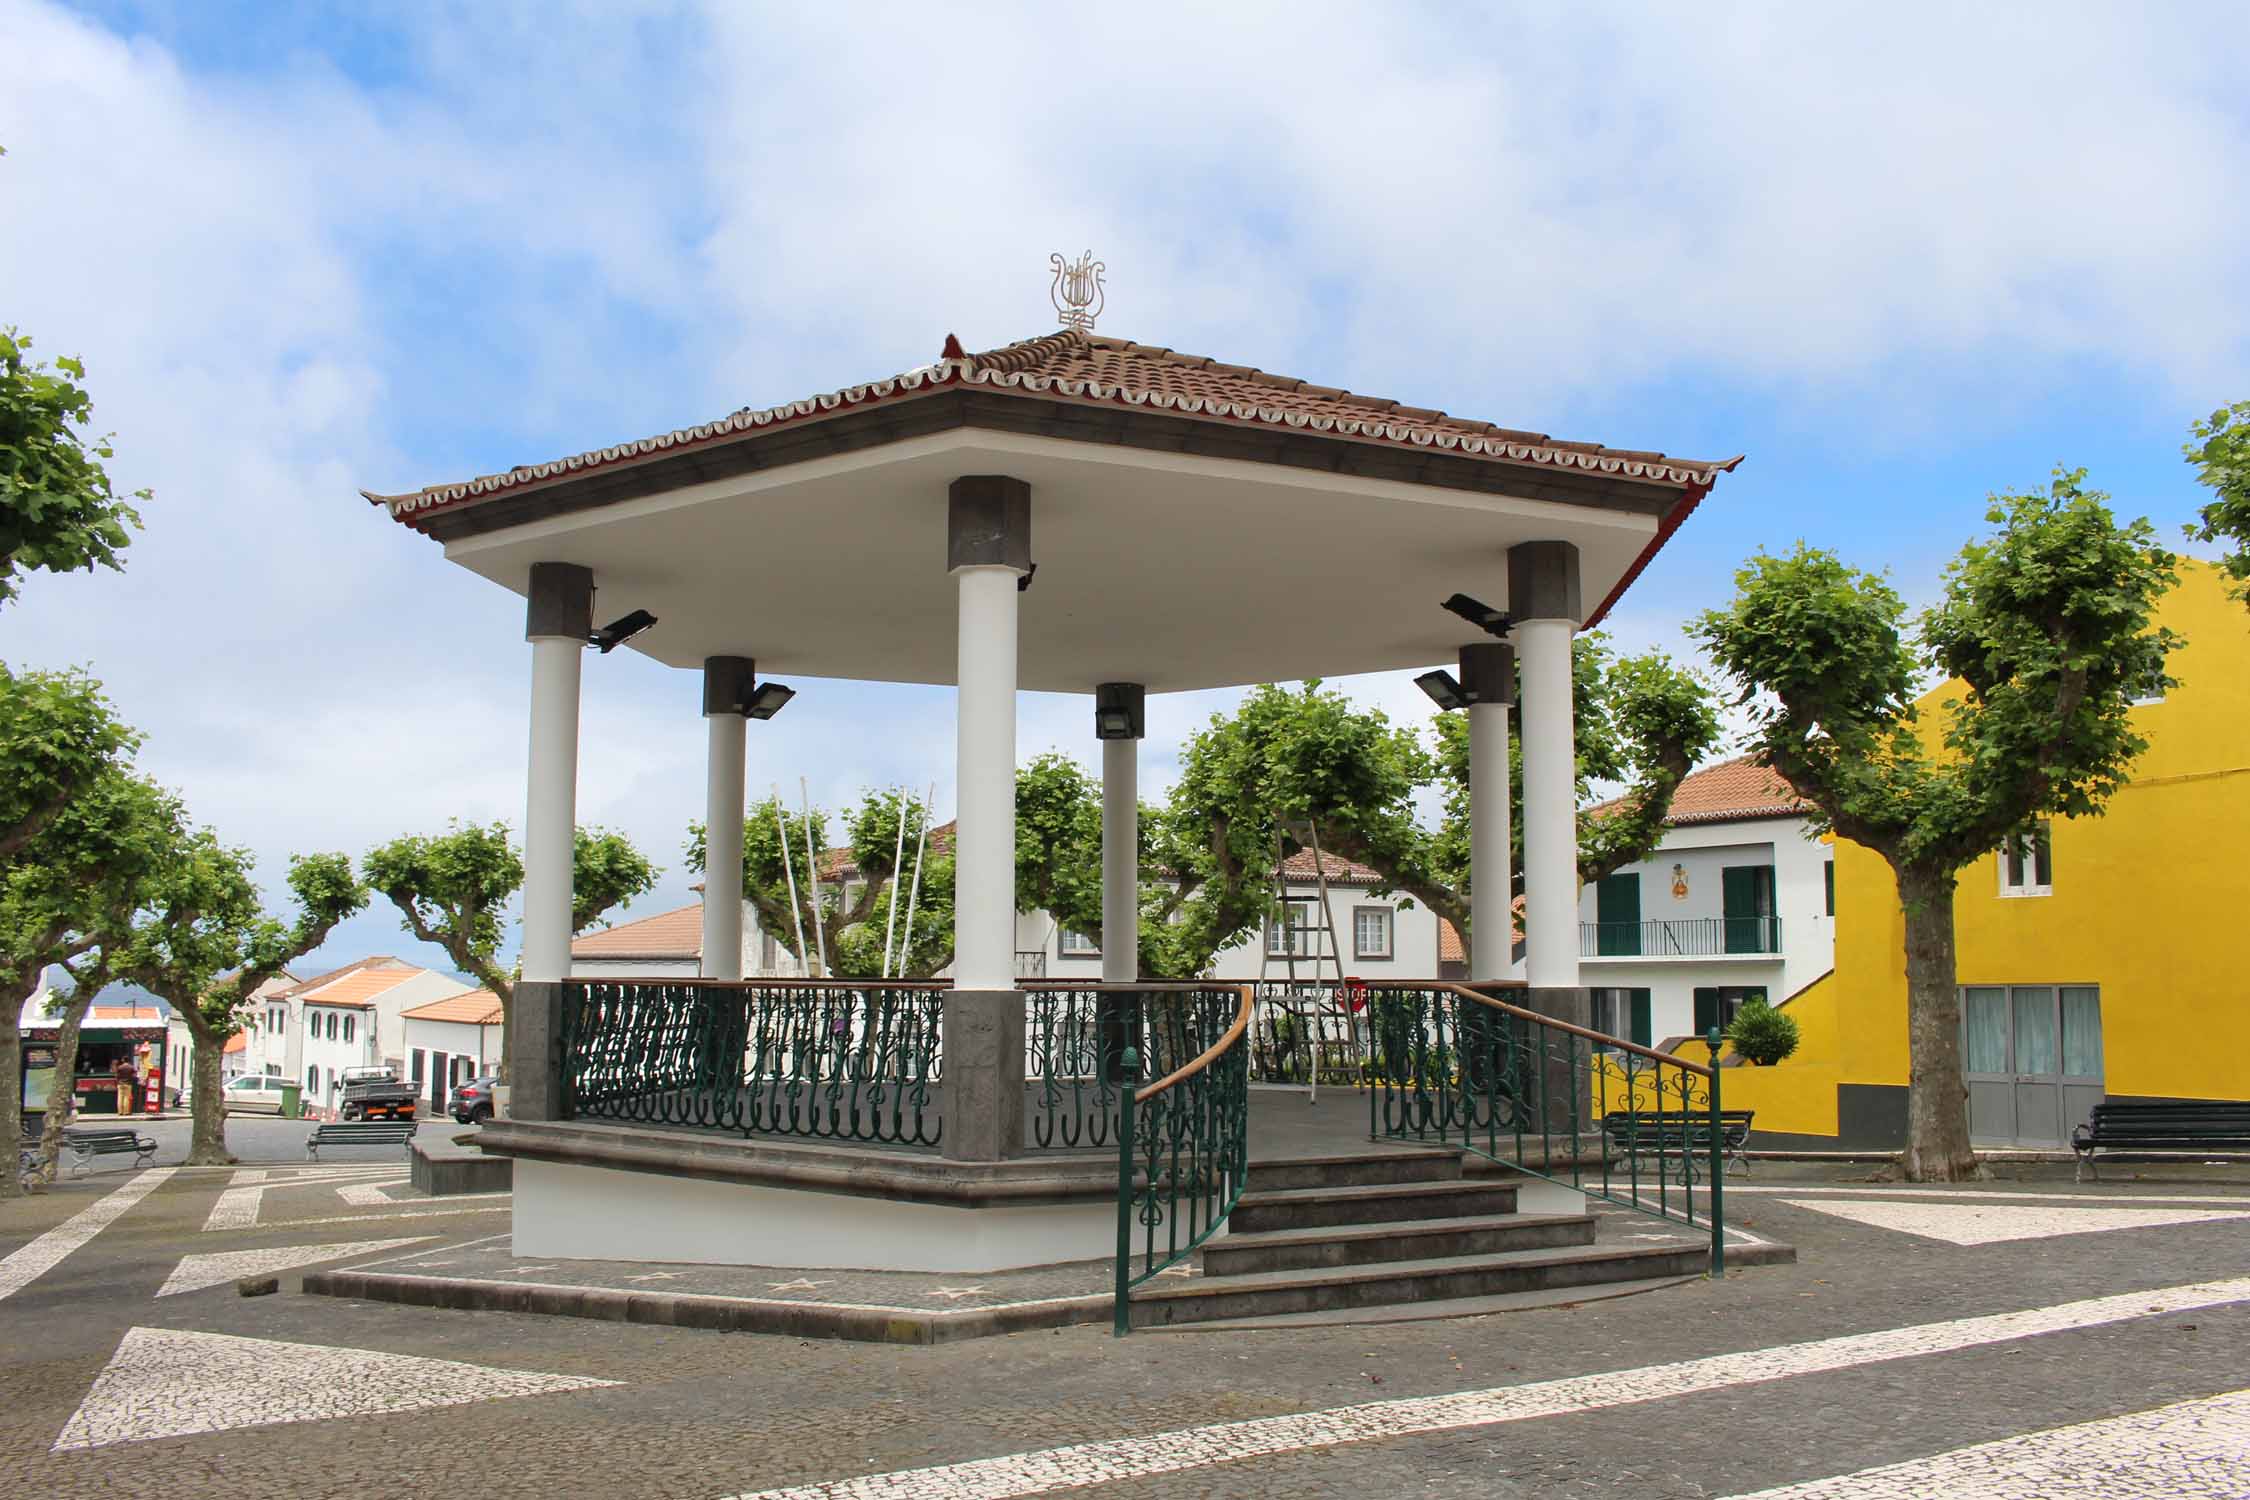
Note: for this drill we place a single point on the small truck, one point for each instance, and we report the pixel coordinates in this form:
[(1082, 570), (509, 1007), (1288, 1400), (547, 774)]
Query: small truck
[(376, 1094)]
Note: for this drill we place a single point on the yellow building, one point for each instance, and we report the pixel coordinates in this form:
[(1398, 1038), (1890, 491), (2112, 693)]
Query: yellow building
[(2109, 957)]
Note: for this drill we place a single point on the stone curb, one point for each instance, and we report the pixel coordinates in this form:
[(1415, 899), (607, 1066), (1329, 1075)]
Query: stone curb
[(875, 1325)]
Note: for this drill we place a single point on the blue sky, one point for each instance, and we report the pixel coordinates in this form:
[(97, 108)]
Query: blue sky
[(1900, 258)]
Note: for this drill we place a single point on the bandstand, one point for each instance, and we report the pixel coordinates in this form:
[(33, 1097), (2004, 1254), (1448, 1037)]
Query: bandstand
[(1069, 513)]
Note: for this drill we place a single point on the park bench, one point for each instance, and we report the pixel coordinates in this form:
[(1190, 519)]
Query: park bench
[(2202, 1125), (85, 1145), (1649, 1133), (360, 1133)]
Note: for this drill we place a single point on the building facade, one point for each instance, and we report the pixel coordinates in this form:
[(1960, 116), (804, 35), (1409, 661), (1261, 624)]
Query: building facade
[(1737, 903), (2096, 956), (450, 1041)]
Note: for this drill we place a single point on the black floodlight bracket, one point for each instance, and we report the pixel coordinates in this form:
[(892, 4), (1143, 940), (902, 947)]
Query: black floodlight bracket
[(1120, 711), (768, 700), (1023, 579), (1493, 622), (1445, 690), (617, 632)]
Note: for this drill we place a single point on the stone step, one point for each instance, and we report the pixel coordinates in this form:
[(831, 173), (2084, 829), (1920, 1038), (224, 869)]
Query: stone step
[(1381, 1203), (1275, 1293), (1411, 1239), (1442, 1307), (1356, 1169)]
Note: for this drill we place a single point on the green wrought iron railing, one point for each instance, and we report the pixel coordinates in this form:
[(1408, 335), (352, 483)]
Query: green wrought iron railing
[(1626, 1124), (1680, 937), (1183, 1149), (1073, 1099), (843, 1060)]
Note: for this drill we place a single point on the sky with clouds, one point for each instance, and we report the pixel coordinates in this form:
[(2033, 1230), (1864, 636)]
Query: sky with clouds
[(1899, 256)]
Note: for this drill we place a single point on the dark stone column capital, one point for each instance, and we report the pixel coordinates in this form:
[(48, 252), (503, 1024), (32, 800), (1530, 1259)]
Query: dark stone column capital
[(988, 523), (561, 602), (728, 682), (1488, 672), (1543, 582)]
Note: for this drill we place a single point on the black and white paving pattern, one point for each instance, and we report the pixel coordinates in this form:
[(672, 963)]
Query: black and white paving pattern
[(2031, 1338)]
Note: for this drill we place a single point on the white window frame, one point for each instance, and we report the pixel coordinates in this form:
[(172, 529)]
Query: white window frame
[(2022, 851), (2149, 692), (1071, 943), (1279, 947), (1389, 918)]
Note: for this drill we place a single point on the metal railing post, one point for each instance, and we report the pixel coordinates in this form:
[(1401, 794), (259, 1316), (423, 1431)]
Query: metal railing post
[(1718, 1164), (1129, 1067)]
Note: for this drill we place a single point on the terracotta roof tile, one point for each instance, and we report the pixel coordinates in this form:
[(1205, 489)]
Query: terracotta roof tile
[(239, 1042), (838, 863), (357, 990), (1298, 868), (299, 987), (1449, 946), (671, 934), (470, 1008), (1744, 787), (1100, 370)]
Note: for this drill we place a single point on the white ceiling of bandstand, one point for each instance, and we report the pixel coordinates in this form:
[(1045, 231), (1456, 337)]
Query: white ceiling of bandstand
[(1176, 571)]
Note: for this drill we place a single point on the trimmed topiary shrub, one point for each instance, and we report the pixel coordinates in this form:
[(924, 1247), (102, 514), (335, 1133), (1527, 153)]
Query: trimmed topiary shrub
[(1761, 1034)]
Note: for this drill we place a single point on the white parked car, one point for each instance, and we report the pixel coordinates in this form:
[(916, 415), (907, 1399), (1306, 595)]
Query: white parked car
[(253, 1094)]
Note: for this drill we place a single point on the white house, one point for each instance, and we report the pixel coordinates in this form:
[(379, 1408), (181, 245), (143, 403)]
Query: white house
[(450, 1041), (244, 1051), (1737, 902)]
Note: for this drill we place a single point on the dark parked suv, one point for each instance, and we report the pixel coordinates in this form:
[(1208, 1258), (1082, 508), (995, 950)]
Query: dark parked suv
[(471, 1103)]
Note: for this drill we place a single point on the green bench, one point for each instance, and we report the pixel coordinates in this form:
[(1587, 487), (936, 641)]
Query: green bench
[(2191, 1126), (360, 1133), (1650, 1133), (85, 1145)]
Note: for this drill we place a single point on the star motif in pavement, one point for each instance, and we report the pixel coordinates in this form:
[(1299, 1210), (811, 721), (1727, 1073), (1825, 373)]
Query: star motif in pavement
[(956, 1293), (1177, 1271), (421, 1263), (524, 1270), (655, 1276), (799, 1285)]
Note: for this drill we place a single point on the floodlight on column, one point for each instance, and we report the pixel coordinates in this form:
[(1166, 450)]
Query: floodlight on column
[(617, 632), (1120, 711), (768, 700), (1444, 690), (1493, 622)]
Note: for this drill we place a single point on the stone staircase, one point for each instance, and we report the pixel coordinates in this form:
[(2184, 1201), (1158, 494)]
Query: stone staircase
[(1403, 1230)]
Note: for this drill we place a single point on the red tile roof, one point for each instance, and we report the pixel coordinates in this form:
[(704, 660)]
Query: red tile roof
[(1097, 370), (838, 864), (1744, 787), (1298, 869), (470, 1008), (670, 934)]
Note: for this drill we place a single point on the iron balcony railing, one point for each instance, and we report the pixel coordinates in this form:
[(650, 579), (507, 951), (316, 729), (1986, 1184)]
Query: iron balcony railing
[(1680, 937), (1626, 1124), (1031, 963), (843, 1060)]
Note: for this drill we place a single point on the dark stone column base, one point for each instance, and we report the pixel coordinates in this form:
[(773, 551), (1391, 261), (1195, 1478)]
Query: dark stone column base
[(982, 1035)]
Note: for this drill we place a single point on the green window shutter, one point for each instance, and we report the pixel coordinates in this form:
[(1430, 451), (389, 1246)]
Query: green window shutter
[(1828, 872), (1617, 915), (1639, 1032), (1746, 892), (1706, 1010)]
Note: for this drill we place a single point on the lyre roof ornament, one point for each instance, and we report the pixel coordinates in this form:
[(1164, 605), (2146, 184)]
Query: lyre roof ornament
[(1077, 292)]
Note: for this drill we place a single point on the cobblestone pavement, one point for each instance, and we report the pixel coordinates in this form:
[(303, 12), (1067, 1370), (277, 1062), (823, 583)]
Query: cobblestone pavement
[(2027, 1337)]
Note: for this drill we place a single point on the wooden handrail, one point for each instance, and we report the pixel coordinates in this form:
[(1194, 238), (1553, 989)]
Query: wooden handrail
[(1233, 1034), (1610, 1042)]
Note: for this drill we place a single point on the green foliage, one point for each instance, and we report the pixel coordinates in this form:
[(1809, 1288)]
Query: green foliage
[(204, 941), (1761, 1034), (855, 920), (57, 509), (2221, 455), (57, 736), (2048, 625), (453, 888), (1059, 842)]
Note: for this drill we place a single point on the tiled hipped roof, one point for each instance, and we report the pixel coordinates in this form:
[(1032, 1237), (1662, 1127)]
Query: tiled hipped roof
[(469, 1008), (1098, 370), (1744, 787), (670, 934)]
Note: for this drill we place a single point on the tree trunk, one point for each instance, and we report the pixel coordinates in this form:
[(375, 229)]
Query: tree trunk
[(207, 1142), (66, 1074), (1937, 1096), (11, 1086)]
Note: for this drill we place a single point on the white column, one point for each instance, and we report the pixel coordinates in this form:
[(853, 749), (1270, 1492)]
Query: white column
[(984, 850), (1121, 864), (1491, 930), (1550, 802), (722, 848), (551, 814)]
